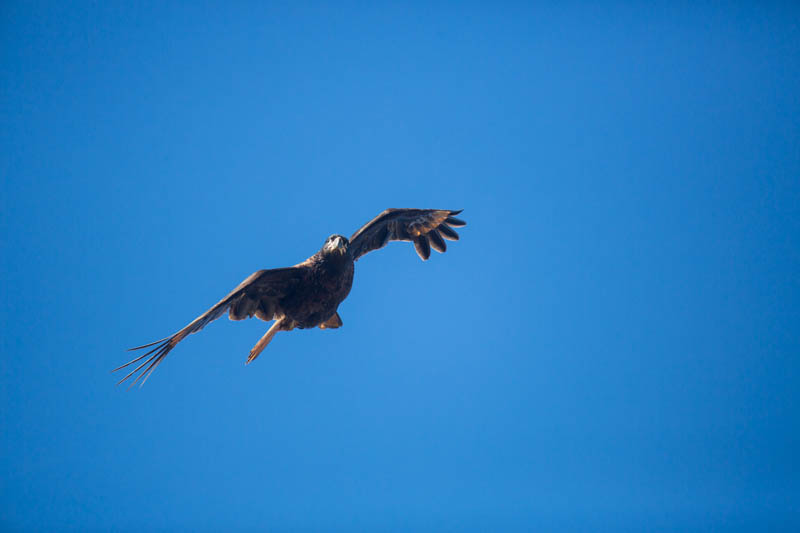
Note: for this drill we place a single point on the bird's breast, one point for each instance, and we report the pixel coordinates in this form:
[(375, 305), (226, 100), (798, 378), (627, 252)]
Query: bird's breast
[(324, 288)]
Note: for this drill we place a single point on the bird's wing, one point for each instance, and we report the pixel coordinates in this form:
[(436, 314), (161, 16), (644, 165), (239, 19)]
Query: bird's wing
[(426, 228), (260, 294)]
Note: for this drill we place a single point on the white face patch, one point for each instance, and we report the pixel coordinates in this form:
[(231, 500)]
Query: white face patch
[(336, 243)]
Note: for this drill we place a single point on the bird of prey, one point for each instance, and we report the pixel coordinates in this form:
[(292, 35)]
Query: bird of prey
[(308, 294)]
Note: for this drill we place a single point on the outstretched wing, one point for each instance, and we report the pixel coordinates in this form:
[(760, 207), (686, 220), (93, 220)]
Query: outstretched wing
[(426, 228), (260, 294)]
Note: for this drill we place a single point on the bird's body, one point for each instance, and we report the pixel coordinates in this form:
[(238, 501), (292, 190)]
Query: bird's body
[(308, 294), (327, 282)]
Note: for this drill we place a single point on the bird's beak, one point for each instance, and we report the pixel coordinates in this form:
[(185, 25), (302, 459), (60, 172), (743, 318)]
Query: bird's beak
[(339, 243), (336, 245)]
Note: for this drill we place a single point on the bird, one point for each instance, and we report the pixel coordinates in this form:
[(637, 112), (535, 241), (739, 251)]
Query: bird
[(308, 294)]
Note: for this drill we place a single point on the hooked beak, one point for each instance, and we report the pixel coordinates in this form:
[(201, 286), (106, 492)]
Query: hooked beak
[(337, 245)]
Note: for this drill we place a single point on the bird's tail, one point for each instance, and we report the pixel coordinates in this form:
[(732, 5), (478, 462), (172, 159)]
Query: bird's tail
[(279, 325)]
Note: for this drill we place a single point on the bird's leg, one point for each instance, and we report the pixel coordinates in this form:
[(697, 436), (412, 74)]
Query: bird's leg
[(281, 324), (332, 323)]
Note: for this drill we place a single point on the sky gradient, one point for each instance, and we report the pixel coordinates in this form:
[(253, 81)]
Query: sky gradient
[(614, 343)]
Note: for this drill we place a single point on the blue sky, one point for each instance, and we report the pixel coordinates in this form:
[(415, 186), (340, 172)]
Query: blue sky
[(613, 344)]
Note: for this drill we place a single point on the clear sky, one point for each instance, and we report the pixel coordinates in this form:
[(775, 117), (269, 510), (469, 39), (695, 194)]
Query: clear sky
[(614, 344)]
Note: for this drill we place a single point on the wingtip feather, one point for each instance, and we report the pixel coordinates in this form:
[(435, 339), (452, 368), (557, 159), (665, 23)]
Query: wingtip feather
[(437, 242), (448, 233), (148, 345), (423, 247)]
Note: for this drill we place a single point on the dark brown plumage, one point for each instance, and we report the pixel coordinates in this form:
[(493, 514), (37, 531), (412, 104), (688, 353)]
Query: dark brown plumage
[(308, 294)]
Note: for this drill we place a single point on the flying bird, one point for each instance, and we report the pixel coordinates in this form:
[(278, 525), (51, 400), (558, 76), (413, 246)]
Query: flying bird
[(308, 294)]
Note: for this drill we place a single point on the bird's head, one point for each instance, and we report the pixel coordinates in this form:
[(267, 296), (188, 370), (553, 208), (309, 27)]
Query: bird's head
[(335, 244)]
